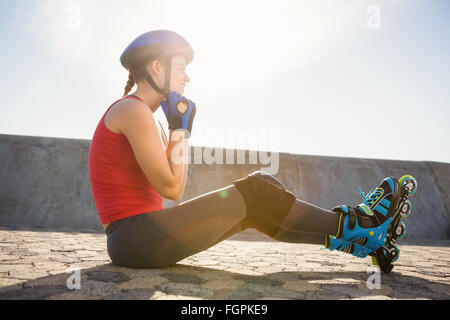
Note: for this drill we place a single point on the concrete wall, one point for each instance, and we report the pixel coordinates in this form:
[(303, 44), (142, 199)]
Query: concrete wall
[(44, 182)]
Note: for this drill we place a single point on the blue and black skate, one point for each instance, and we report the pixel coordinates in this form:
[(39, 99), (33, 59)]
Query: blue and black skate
[(354, 249), (389, 252), (374, 225)]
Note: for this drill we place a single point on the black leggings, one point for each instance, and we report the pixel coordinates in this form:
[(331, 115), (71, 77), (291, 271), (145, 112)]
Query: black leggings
[(162, 238)]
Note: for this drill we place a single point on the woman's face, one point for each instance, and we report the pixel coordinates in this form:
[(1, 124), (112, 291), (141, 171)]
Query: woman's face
[(178, 77)]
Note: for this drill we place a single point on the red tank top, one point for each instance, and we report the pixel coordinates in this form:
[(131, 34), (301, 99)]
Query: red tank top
[(119, 186)]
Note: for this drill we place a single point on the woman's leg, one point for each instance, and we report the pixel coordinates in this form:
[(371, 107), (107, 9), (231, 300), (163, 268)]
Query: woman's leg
[(208, 219), (274, 210), (201, 221), (305, 223), (306, 217), (299, 237), (164, 237)]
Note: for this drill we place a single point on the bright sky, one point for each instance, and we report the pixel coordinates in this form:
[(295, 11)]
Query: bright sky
[(308, 77)]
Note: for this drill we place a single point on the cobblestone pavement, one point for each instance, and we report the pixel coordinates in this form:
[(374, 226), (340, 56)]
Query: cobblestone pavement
[(35, 265)]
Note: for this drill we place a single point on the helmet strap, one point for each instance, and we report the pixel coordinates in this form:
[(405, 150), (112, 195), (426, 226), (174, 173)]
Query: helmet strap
[(152, 83), (168, 72), (149, 79)]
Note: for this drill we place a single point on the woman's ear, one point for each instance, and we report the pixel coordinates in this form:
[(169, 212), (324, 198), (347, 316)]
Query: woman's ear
[(156, 67)]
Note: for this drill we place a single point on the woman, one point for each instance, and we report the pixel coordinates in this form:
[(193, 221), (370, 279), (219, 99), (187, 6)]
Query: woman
[(132, 166)]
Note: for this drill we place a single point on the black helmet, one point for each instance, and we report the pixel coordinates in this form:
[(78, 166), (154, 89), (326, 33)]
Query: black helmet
[(157, 43)]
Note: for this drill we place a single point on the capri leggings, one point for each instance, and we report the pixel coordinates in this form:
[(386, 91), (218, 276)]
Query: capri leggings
[(162, 238)]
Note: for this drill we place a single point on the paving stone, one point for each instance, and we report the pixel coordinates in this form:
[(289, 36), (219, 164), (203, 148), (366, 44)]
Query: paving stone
[(51, 280), (408, 291), (64, 259), (99, 256), (97, 288), (21, 261), (25, 272), (301, 286), (7, 284), (314, 275), (209, 262), (346, 291), (144, 273), (284, 276), (441, 288), (4, 258), (74, 295), (6, 268), (182, 269), (159, 295), (375, 297), (215, 285), (236, 269), (34, 293), (213, 274), (264, 280), (50, 266), (308, 266), (185, 289), (142, 283), (275, 291), (183, 278), (222, 294), (85, 253), (260, 264), (86, 264), (114, 268), (268, 270), (244, 294), (132, 294), (106, 276)]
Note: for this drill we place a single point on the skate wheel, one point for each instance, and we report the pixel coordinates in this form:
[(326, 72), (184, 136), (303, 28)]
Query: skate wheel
[(400, 231), (405, 209), (375, 262), (390, 253), (385, 253), (395, 253), (382, 260), (409, 183)]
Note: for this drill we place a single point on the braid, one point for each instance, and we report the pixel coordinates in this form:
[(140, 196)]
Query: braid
[(130, 84)]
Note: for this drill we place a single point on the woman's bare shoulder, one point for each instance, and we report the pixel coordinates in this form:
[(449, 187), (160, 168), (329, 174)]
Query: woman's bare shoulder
[(128, 105), (118, 112)]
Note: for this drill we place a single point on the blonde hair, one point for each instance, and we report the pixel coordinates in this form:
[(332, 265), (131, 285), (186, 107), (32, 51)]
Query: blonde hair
[(130, 84)]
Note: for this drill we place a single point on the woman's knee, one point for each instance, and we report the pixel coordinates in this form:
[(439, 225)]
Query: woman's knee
[(265, 197)]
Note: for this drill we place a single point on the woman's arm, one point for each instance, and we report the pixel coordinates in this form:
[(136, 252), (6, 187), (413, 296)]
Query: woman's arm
[(177, 153), (185, 153), (138, 124)]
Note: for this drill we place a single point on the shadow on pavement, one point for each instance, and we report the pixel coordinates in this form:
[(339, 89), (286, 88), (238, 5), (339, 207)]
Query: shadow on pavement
[(192, 282)]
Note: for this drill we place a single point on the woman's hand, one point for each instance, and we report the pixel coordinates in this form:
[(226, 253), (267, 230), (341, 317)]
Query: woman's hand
[(180, 112)]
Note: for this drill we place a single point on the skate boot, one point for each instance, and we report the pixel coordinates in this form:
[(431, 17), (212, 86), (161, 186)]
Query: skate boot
[(354, 249), (374, 226), (390, 252), (361, 226), (359, 233)]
